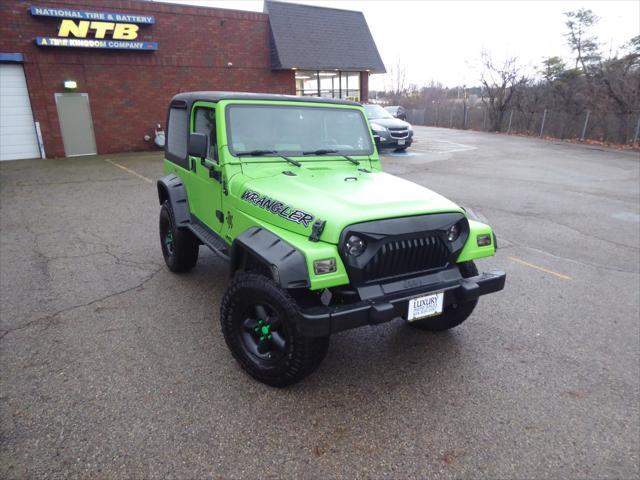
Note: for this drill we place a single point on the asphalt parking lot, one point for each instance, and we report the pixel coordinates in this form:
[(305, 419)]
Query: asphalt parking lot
[(111, 366)]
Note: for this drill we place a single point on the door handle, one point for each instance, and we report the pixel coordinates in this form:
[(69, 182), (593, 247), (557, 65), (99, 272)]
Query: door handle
[(214, 168)]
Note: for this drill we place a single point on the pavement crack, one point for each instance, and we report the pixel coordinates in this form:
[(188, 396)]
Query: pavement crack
[(106, 249), (47, 320)]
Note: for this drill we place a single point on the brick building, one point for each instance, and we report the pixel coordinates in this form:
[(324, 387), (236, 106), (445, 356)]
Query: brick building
[(81, 77)]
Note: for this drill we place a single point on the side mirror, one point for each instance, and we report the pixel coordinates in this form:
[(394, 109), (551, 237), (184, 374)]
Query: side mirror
[(198, 145)]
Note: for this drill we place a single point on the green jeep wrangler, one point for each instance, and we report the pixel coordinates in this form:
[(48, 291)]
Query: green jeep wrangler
[(319, 239)]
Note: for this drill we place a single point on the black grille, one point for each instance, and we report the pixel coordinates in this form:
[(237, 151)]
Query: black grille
[(399, 257), (399, 133), (403, 246)]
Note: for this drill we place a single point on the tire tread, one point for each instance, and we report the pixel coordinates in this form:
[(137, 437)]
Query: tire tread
[(307, 353), (186, 245)]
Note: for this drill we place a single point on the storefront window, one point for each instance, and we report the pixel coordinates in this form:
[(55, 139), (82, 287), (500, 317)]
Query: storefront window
[(328, 84), (350, 83), (306, 83)]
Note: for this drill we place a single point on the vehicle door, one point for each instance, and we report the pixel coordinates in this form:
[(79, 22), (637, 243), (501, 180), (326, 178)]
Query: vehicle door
[(206, 171)]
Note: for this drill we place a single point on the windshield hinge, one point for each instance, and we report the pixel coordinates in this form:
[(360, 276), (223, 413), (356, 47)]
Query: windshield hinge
[(316, 230)]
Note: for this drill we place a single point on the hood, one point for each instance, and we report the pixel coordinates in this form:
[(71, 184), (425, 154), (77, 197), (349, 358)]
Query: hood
[(340, 197), (390, 122)]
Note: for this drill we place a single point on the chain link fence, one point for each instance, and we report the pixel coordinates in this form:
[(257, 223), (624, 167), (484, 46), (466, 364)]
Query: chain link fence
[(601, 126)]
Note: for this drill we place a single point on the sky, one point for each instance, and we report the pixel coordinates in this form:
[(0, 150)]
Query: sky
[(442, 41)]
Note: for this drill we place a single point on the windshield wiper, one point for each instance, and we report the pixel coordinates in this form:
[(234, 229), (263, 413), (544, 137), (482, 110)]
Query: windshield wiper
[(352, 160), (262, 153), (291, 161), (256, 153), (324, 151), (321, 151)]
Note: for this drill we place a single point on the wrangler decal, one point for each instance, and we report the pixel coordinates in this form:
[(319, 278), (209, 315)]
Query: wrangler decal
[(278, 208)]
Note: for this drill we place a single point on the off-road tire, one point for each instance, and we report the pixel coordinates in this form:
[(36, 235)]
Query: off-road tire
[(299, 357), (455, 314), (181, 253)]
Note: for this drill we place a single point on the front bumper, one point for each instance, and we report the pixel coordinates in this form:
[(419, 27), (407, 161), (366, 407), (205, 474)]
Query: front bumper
[(384, 302)]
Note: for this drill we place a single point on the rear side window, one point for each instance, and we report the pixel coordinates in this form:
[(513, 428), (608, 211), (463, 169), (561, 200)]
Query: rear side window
[(177, 135)]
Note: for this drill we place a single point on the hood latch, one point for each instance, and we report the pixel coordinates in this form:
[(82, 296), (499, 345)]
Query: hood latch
[(316, 230)]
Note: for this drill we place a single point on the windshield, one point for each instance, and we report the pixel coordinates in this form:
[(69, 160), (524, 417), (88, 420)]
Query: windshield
[(391, 110), (376, 111), (291, 130)]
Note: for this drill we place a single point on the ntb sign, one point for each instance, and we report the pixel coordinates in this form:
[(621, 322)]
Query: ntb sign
[(84, 29)]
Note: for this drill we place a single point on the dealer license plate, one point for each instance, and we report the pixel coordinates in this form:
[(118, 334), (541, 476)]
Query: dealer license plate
[(400, 142), (427, 306)]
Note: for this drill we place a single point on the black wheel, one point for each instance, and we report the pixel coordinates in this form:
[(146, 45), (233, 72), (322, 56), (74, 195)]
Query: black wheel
[(258, 323), (179, 246), (454, 314)]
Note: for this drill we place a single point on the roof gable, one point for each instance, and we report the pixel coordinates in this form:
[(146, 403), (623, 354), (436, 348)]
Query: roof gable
[(317, 38)]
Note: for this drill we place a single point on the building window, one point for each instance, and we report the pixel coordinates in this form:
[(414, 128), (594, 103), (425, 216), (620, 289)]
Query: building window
[(328, 84), (307, 83)]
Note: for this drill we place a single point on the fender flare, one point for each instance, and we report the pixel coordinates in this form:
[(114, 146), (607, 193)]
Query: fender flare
[(172, 189), (285, 263)]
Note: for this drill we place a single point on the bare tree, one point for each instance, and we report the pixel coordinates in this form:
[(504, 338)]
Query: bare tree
[(587, 93), (620, 77), (499, 82), (528, 101), (397, 79)]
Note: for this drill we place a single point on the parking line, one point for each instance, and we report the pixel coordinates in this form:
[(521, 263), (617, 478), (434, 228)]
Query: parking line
[(542, 269), (128, 170)]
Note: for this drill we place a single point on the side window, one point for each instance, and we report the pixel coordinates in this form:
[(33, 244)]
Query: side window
[(205, 122), (177, 135)]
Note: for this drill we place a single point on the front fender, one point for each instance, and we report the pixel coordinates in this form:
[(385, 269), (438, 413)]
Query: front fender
[(286, 264), (471, 250)]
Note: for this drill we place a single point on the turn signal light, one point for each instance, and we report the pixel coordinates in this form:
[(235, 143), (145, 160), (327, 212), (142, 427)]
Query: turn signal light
[(321, 267), (484, 240)]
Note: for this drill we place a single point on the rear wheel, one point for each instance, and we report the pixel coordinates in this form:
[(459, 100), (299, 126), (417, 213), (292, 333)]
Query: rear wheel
[(454, 314), (179, 246), (258, 320)]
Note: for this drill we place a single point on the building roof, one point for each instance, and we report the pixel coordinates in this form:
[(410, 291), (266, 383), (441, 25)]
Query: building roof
[(307, 37), (190, 97)]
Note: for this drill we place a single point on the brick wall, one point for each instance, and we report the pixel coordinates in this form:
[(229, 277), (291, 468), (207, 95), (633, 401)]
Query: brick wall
[(129, 91)]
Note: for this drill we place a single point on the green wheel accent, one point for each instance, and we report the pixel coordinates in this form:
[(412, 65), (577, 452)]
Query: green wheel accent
[(168, 241)]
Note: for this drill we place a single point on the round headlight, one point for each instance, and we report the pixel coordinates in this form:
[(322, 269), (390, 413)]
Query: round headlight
[(453, 233), (354, 246)]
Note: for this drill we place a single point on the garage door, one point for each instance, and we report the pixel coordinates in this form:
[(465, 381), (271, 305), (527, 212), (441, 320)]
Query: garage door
[(17, 131)]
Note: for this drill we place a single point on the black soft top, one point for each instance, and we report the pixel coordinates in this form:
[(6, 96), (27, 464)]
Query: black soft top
[(190, 97)]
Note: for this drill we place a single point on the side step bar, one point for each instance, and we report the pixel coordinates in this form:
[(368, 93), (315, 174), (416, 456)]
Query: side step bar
[(209, 238)]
